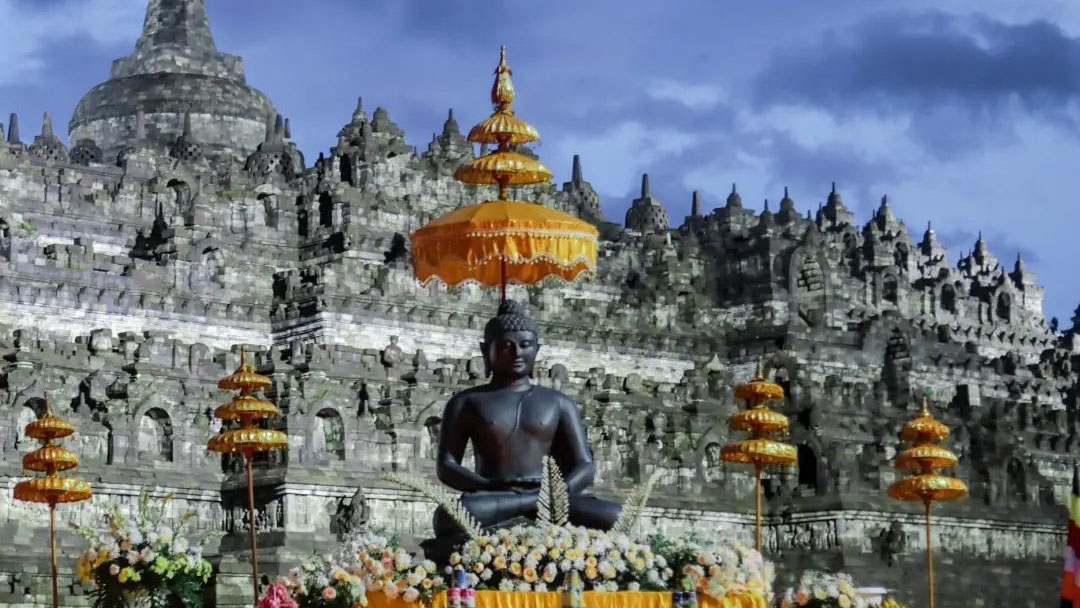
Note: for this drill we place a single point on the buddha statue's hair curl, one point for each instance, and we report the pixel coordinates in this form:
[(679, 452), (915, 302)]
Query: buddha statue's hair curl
[(511, 317)]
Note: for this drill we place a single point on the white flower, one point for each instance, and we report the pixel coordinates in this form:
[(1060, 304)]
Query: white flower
[(410, 595), (633, 586), (506, 585), (180, 545)]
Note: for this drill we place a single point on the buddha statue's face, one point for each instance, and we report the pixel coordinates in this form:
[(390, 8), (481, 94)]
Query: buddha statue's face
[(512, 355)]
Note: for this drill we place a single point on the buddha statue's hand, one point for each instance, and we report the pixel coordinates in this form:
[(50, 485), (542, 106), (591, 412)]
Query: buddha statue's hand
[(522, 486)]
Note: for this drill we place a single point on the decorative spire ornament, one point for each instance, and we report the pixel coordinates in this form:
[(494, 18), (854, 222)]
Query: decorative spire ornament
[(52, 489), (250, 438), (761, 422), (496, 242), (503, 167), (923, 457)]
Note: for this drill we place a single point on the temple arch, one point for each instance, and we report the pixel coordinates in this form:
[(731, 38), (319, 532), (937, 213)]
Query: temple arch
[(1004, 307), (948, 298), (328, 434), (155, 435)]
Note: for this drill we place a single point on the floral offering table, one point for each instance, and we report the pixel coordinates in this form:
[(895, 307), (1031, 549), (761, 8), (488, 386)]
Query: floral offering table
[(592, 599)]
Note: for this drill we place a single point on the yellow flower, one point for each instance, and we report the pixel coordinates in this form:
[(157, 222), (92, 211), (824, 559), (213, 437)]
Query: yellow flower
[(843, 601), (125, 574), (499, 562), (590, 572), (529, 575), (845, 588), (515, 568), (554, 553), (590, 562), (819, 593)]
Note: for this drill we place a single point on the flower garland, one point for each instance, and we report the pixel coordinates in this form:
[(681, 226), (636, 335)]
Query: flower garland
[(145, 555), (823, 590)]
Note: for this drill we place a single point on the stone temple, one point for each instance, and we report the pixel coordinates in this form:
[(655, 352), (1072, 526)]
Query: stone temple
[(180, 223)]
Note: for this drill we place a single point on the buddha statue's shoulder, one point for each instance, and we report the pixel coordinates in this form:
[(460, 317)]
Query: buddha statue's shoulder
[(549, 394)]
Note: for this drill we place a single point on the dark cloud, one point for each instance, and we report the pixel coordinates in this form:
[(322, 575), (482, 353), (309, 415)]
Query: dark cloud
[(929, 58)]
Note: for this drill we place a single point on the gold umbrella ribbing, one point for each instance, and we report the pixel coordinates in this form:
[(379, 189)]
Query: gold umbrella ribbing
[(925, 486), (503, 241), (761, 422), (53, 488), (249, 439)]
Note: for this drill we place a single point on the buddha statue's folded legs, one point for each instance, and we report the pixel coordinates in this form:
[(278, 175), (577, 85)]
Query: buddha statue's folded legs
[(492, 508)]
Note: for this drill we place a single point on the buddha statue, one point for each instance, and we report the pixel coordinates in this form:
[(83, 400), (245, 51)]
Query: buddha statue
[(512, 425)]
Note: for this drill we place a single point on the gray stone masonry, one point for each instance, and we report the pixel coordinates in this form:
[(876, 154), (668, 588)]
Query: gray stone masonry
[(136, 263)]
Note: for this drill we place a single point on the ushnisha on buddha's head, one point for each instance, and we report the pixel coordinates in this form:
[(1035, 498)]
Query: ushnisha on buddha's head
[(511, 341)]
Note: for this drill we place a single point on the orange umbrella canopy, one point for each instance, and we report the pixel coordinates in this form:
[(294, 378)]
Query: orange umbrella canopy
[(503, 241), (500, 242)]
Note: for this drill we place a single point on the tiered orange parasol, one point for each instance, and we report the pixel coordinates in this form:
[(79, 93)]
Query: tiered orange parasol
[(249, 439), (761, 422), (52, 489), (496, 242), (927, 487)]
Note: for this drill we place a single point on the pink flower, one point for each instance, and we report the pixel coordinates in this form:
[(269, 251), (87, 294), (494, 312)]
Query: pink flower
[(277, 597), (329, 593)]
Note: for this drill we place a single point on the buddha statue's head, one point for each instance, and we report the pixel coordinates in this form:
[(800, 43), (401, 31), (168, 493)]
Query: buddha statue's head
[(511, 341)]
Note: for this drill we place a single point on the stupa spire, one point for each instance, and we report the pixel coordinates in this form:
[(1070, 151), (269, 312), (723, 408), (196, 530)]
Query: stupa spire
[(575, 172), (13, 129), (174, 23)]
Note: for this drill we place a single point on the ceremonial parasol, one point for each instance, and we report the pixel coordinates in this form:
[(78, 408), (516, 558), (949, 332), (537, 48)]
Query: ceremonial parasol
[(53, 488), (923, 457), (761, 422), (497, 242), (249, 438)]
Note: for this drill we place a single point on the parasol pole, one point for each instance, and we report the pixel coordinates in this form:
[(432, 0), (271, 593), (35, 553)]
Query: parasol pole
[(502, 282), (52, 553), (757, 507), (929, 559), (251, 526)]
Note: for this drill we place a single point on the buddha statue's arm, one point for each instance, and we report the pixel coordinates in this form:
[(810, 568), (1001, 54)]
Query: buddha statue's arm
[(452, 441), (572, 449)]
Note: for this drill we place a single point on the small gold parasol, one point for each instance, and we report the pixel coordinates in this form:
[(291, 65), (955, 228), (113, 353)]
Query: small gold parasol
[(496, 242), (52, 489), (248, 439), (761, 422), (925, 486)]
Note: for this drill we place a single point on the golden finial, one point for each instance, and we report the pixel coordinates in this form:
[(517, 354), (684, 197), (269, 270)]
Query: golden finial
[(761, 422), (53, 488), (502, 91), (924, 457)]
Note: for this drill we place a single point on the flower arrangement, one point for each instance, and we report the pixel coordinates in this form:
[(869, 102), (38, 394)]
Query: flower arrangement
[(540, 558), (715, 569), (146, 557), (822, 590), (368, 563)]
